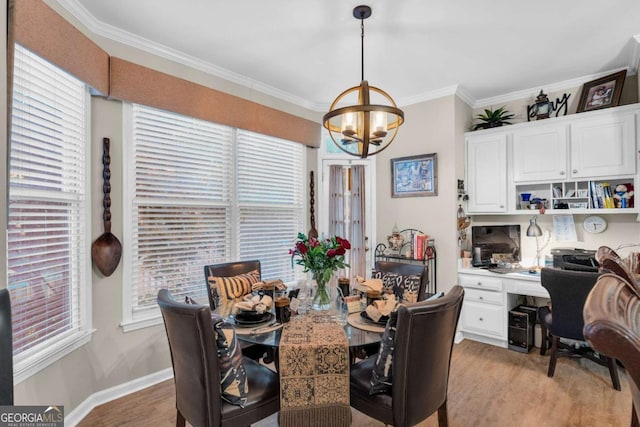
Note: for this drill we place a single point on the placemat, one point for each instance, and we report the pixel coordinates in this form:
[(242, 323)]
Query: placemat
[(357, 321), (258, 329), (314, 373)]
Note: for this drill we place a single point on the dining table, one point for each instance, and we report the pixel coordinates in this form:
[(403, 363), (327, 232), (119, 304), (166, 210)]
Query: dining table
[(358, 331), (313, 354)]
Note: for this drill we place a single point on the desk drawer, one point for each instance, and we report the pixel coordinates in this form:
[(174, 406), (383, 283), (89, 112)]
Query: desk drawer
[(485, 319), (480, 295), (480, 282)]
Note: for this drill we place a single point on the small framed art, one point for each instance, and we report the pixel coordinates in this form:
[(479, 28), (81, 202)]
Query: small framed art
[(602, 93), (414, 176)]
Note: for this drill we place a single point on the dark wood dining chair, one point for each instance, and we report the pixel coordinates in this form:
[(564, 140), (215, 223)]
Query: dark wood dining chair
[(612, 327), (420, 365), (196, 371), (6, 349), (568, 291)]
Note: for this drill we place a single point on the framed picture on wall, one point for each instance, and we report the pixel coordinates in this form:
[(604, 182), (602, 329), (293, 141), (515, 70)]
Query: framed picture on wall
[(414, 176), (602, 93)]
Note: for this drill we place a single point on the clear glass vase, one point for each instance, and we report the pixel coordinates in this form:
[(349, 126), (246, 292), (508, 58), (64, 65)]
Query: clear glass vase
[(321, 297)]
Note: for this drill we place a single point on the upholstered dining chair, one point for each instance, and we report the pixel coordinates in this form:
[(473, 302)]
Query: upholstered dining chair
[(421, 360), (196, 371), (612, 327), (227, 269), (231, 269), (406, 269), (6, 349), (568, 291)]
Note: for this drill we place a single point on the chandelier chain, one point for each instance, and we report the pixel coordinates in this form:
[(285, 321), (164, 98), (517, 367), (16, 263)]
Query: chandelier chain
[(361, 49)]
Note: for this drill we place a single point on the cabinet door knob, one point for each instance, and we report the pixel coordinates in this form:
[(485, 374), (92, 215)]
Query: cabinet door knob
[(574, 171), (561, 172), (480, 297), (480, 319), (479, 283), (501, 206)]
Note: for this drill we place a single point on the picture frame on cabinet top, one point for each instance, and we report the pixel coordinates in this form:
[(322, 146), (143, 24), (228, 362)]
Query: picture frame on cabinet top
[(601, 93)]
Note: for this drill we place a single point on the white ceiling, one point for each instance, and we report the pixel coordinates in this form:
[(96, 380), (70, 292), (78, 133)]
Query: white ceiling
[(308, 51)]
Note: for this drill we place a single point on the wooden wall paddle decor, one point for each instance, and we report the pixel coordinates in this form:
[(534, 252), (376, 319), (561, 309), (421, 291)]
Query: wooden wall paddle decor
[(106, 250), (312, 231)]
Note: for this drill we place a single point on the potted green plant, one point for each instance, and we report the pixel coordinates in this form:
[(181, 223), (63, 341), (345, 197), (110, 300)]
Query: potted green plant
[(493, 118)]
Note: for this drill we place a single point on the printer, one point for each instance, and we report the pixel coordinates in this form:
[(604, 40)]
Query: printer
[(575, 259)]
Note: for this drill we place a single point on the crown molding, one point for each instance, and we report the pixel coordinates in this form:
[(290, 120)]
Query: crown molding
[(116, 34), (552, 87), (428, 96)]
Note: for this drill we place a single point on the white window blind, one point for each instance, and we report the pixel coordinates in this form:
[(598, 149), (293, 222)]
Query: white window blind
[(48, 251), (182, 176), (270, 199), (201, 194)]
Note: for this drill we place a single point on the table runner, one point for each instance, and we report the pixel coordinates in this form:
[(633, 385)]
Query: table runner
[(314, 373)]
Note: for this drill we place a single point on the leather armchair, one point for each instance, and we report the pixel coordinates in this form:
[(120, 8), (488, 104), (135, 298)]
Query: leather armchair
[(196, 371), (421, 362), (568, 291), (6, 350), (612, 327)]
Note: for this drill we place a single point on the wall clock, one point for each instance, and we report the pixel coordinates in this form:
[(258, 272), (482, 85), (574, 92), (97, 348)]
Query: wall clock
[(594, 224)]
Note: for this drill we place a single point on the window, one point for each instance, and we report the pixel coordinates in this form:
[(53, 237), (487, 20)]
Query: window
[(202, 193), (48, 243)]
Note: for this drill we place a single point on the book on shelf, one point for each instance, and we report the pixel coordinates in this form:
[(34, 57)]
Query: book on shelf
[(419, 245)]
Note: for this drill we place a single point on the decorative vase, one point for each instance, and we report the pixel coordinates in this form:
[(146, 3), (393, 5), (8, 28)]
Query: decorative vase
[(321, 298)]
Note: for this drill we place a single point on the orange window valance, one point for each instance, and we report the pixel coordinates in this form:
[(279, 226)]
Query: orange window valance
[(42, 30)]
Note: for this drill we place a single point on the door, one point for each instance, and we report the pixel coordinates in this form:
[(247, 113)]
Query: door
[(350, 214)]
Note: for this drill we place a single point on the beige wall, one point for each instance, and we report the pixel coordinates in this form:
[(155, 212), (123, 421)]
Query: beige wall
[(430, 127)]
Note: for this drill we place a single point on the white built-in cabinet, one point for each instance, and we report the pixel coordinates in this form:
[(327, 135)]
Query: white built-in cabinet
[(603, 146), (487, 172), (540, 153), (556, 159)]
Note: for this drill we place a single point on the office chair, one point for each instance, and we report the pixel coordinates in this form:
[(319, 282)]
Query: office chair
[(568, 291)]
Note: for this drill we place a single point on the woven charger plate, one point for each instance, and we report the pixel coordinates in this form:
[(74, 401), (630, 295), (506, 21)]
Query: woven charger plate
[(357, 321)]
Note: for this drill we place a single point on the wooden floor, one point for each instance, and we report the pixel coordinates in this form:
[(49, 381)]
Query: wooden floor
[(488, 386)]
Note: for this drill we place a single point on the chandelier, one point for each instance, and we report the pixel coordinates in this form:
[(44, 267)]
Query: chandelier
[(364, 127)]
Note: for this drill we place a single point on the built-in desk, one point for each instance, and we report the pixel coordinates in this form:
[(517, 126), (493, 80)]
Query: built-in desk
[(488, 298)]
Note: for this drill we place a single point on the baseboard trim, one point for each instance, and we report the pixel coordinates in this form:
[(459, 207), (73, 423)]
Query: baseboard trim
[(115, 392)]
